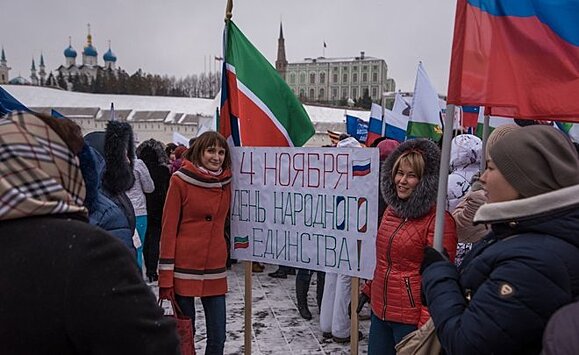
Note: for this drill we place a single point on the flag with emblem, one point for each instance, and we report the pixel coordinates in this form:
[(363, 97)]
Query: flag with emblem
[(257, 106), (425, 115)]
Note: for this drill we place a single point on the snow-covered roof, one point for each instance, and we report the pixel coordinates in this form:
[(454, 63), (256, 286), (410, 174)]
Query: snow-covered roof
[(175, 109), (35, 96)]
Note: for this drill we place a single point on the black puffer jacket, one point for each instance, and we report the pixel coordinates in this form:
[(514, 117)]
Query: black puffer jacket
[(513, 281)]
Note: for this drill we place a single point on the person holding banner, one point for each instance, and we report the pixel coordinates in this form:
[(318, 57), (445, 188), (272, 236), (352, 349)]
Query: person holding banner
[(193, 247), (409, 185), (513, 280)]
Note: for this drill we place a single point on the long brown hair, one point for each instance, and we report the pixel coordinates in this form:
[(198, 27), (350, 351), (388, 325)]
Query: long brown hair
[(204, 141)]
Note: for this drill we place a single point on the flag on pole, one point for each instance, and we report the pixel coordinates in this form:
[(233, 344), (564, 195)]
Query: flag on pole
[(257, 107), (8, 103), (396, 125), (517, 57), (400, 105), (357, 128), (425, 116), (470, 116), (375, 126)]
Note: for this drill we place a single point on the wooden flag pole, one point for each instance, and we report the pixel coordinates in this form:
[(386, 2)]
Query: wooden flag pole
[(354, 324), (248, 300)]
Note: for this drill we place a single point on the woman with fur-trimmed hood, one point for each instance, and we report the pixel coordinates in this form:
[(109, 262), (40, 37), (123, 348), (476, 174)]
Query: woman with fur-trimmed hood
[(117, 147), (409, 186)]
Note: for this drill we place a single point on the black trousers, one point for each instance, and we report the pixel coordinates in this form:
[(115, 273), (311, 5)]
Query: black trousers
[(151, 247)]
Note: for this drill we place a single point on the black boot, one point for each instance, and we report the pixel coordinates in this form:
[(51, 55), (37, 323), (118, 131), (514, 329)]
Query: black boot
[(302, 297), (280, 273)]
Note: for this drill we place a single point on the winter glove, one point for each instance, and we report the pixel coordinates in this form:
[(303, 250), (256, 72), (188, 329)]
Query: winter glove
[(166, 293), (431, 256), (362, 300)]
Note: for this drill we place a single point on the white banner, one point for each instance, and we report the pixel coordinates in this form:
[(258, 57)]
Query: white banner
[(311, 208)]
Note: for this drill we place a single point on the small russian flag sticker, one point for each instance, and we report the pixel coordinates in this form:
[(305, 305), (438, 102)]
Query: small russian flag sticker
[(361, 167)]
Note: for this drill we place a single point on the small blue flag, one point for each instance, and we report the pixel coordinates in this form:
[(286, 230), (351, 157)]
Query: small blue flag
[(357, 128)]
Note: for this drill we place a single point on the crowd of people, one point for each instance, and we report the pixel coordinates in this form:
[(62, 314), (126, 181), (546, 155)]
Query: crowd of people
[(86, 222)]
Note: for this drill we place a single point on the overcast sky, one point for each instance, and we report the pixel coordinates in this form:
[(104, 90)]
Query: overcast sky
[(175, 37)]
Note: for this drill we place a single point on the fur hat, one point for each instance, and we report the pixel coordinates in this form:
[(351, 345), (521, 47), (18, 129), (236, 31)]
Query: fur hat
[(119, 146), (536, 160)]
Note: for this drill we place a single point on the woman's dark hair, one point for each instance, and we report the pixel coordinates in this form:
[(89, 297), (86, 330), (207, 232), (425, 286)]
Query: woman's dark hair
[(169, 148), (204, 141), (68, 130)]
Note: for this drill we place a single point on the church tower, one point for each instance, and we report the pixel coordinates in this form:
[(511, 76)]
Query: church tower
[(110, 58), (70, 54), (33, 76), (89, 54), (4, 69), (281, 61), (42, 71)]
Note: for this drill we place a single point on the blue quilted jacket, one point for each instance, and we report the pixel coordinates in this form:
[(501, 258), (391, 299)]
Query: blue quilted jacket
[(103, 212)]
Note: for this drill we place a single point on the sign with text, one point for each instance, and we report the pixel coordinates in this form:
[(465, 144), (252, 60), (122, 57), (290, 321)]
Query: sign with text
[(311, 208)]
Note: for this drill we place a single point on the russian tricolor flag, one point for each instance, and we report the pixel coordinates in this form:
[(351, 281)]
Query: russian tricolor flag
[(361, 167), (517, 56), (470, 116), (375, 126)]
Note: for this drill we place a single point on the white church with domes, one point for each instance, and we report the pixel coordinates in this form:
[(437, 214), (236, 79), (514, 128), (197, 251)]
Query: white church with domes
[(89, 65)]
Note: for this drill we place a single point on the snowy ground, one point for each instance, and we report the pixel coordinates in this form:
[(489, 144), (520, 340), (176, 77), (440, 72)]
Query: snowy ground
[(277, 326)]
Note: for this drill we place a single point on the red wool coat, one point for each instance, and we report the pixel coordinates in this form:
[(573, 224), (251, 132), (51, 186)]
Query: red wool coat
[(395, 289), (193, 250)]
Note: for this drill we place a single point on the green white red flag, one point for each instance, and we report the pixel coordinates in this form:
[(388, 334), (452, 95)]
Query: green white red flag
[(257, 106)]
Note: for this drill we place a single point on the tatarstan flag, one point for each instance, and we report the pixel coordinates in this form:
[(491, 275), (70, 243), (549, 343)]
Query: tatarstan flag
[(257, 106)]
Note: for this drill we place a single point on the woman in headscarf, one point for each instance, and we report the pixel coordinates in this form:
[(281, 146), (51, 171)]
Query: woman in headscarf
[(68, 287)]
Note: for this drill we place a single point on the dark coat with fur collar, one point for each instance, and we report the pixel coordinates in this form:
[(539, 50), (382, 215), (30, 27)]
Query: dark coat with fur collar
[(406, 228)]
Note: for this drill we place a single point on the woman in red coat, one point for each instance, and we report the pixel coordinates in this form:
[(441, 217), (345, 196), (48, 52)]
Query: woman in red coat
[(409, 184), (193, 249)]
